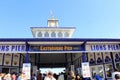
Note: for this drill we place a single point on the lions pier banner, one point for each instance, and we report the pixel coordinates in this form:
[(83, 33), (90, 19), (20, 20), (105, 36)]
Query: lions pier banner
[(12, 48), (102, 47)]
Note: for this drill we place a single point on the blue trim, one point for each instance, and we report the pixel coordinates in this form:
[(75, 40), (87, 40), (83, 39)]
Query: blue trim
[(60, 39), (54, 27), (27, 55), (84, 56)]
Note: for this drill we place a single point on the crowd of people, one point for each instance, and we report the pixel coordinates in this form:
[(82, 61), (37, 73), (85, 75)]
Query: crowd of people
[(52, 76), (116, 74), (13, 76)]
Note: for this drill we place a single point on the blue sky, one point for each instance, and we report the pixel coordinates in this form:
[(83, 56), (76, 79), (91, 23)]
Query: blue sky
[(92, 18)]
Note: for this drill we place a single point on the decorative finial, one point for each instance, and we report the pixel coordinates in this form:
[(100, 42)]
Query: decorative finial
[(51, 13)]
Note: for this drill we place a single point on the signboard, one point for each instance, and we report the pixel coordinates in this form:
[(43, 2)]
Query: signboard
[(103, 47), (86, 70), (55, 48), (20, 48), (27, 70), (12, 48)]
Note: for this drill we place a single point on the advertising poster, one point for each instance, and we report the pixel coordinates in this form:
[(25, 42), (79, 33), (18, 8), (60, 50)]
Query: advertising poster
[(98, 57), (116, 56), (91, 58), (107, 57), (7, 59), (27, 70), (16, 58), (86, 70), (1, 58)]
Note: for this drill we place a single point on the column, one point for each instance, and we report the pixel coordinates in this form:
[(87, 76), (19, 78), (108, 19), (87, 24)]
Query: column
[(27, 55), (84, 57)]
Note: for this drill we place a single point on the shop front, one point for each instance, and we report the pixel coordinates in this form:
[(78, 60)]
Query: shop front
[(11, 57), (104, 58), (103, 55)]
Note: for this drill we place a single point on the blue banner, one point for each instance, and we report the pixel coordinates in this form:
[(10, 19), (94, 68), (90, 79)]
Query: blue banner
[(12, 48)]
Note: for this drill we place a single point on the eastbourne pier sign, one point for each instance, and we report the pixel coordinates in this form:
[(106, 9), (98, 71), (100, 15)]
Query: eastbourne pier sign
[(102, 47), (55, 48), (12, 48)]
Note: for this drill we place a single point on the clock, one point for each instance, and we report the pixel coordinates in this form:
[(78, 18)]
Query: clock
[(52, 24)]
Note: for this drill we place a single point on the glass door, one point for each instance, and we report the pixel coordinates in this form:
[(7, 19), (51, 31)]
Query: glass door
[(98, 69), (118, 65), (108, 70)]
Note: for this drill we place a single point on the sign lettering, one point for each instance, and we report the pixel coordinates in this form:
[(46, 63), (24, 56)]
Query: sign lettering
[(12, 48), (56, 48), (103, 47)]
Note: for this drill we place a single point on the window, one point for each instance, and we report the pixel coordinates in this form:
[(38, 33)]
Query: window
[(60, 34), (46, 34), (53, 34), (39, 34), (66, 34), (108, 70)]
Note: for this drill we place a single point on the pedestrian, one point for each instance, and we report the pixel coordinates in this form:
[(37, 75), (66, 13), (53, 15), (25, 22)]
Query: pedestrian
[(50, 76), (78, 77), (39, 76), (61, 76), (13, 76), (116, 71), (97, 77), (117, 76), (73, 76)]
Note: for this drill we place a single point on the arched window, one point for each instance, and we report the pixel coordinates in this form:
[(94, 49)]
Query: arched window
[(60, 34), (46, 34), (39, 34), (66, 34), (53, 34)]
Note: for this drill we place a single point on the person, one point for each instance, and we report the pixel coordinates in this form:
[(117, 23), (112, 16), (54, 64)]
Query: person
[(34, 77), (116, 71), (50, 76), (117, 76), (0, 76), (8, 76), (78, 77), (13, 76), (97, 77), (72, 75), (39, 76), (68, 76), (22, 76), (61, 76)]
